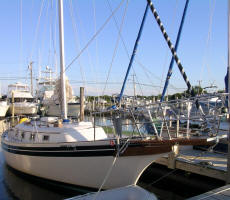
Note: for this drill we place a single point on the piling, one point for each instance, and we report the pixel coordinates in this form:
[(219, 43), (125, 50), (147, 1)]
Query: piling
[(81, 103), (13, 108)]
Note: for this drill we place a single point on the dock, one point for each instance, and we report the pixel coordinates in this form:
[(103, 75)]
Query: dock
[(222, 193), (204, 163)]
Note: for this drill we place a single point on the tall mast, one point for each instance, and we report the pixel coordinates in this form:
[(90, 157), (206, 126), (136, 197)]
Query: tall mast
[(228, 82), (31, 77), (176, 45), (133, 54), (228, 54), (170, 45), (62, 62)]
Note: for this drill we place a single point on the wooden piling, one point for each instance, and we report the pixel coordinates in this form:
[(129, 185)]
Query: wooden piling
[(12, 108), (81, 103)]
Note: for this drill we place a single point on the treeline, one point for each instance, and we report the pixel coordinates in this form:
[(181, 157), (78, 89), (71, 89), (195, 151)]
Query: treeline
[(196, 90)]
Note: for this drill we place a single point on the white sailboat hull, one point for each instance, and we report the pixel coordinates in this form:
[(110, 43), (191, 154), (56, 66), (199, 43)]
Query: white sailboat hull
[(55, 110), (83, 171)]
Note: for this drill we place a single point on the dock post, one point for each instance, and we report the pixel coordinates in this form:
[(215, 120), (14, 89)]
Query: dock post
[(170, 121), (172, 156), (12, 108), (81, 104), (188, 116), (31, 78), (177, 126)]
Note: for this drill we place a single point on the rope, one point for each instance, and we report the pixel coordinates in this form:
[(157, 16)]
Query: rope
[(116, 46), (167, 53), (138, 83), (21, 42), (136, 60), (106, 177), (95, 35), (43, 32), (36, 30), (208, 42), (92, 68), (95, 30), (123, 148), (77, 44)]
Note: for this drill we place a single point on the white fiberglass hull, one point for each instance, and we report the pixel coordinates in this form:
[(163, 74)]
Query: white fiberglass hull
[(24, 108), (83, 171), (3, 110), (55, 110)]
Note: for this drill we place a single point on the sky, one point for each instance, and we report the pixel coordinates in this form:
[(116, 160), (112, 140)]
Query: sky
[(29, 33)]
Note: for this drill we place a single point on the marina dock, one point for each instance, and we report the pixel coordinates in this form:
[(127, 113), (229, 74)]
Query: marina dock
[(222, 193), (204, 163)]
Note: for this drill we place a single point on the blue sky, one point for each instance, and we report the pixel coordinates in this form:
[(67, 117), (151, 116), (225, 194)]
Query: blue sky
[(202, 49)]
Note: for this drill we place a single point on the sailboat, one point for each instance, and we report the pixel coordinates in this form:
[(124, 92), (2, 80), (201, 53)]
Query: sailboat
[(82, 153)]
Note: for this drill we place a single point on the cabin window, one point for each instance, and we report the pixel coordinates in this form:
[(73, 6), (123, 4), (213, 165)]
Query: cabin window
[(23, 135), (45, 137)]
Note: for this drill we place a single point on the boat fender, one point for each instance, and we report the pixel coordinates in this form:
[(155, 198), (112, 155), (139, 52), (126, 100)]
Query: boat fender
[(24, 119), (112, 143)]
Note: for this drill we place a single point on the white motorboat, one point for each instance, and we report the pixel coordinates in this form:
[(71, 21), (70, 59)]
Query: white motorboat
[(3, 108), (23, 99)]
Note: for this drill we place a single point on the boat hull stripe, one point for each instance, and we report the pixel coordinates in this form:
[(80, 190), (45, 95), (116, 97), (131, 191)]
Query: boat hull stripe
[(66, 153)]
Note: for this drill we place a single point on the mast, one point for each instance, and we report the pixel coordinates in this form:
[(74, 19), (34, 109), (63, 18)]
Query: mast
[(62, 62), (134, 87), (133, 54), (228, 74), (176, 45), (31, 77), (170, 45)]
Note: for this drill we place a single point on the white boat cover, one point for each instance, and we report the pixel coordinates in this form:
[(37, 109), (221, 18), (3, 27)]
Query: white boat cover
[(131, 192)]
